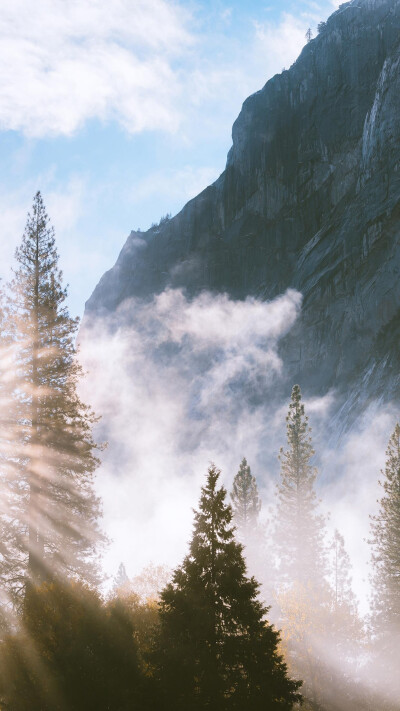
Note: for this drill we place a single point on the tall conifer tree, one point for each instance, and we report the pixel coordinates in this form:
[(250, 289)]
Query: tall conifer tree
[(121, 578), (246, 505), (217, 652), (246, 502), (300, 528), (344, 601), (56, 510), (304, 598), (385, 541), (345, 631)]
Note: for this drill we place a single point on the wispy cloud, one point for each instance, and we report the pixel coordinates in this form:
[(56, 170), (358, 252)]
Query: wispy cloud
[(65, 63), (181, 382), (226, 15), (145, 65), (175, 390)]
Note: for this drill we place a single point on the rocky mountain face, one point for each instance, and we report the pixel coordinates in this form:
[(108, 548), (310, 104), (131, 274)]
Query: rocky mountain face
[(309, 199)]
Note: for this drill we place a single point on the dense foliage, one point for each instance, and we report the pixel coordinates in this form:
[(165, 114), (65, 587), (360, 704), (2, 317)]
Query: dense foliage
[(72, 652), (216, 650)]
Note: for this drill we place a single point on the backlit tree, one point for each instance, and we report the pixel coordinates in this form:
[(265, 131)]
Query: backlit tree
[(304, 597), (56, 512)]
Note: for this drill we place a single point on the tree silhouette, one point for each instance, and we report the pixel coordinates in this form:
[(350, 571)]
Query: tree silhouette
[(216, 650)]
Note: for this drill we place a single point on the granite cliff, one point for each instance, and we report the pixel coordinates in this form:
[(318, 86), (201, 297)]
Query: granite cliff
[(309, 199)]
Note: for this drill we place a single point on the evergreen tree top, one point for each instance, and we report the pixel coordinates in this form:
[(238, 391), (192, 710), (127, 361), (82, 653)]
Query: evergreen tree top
[(296, 419), (295, 461), (38, 279), (213, 536), (216, 649), (342, 579), (214, 551), (299, 528), (121, 577), (245, 499), (57, 512)]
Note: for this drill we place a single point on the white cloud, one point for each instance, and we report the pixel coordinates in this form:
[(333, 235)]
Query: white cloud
[(189, 381), (219, 321), (147, 65), (13, 220), (320, 405), (67, 62), (219, 83), (174, 389)]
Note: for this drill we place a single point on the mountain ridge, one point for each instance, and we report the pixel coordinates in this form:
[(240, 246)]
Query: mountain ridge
[(309, 199)]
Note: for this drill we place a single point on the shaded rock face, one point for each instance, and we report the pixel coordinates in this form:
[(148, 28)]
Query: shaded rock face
[(309, 199)]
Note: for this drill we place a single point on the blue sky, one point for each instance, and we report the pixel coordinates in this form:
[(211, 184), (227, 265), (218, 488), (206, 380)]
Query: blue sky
[(120, 111)]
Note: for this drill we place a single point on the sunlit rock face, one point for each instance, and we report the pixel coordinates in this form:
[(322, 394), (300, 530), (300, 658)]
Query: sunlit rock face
[(309, 199)]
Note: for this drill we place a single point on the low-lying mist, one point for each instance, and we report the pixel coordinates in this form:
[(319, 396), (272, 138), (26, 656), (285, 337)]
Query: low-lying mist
[(174, 387), (179, 383)]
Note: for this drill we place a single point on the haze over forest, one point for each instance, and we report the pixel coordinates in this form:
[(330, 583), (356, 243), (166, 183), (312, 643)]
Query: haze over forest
[(199, 500)]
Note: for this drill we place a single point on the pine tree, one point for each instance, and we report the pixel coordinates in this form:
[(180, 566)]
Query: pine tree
[(385, 529), (343, 635), (346, 630), (216, 651), (300, 528), (246, 502), (343, 595), (55, 511), (385, 541), (303, 597), (121, 584)]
